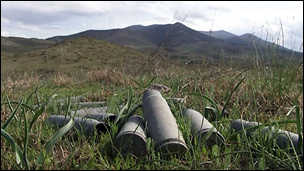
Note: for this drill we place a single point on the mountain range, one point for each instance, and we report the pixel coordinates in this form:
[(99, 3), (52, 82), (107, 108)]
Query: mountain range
[(176, 40), (183, 42)]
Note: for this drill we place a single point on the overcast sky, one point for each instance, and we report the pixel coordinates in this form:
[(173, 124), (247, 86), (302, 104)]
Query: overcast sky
[(43, 19)]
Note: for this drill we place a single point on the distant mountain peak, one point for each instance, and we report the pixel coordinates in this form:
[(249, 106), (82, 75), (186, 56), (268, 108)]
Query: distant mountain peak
[(178, 23)]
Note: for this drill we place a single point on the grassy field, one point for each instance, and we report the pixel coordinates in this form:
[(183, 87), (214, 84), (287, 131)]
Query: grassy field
[(268, 94)]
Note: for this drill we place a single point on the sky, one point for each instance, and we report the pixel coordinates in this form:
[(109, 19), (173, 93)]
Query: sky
[(277, 21)]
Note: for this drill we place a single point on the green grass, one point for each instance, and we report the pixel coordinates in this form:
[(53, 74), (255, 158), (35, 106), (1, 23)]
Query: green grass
[(270, 96)]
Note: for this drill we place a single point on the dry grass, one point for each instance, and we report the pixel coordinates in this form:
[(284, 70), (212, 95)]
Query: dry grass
[(107, 77), (61, 79), (21, 81)]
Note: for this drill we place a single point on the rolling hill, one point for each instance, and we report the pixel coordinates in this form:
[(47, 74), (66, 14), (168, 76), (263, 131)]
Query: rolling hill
[(74, 55), (14, 45)]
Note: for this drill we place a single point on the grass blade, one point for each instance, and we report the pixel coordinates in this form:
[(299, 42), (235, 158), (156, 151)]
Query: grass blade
[(13, 114), (25, 139), (299, 126), (36, 116), (29, 107), (222, 113), (299, 129), (290, 111), (54, 138), (51, 98), (37, 97), (234, 80), (125, 108), (26, 130), (151, 81), (9, 103), (210, 100), (15, 147), (120, 123), (120, 113)]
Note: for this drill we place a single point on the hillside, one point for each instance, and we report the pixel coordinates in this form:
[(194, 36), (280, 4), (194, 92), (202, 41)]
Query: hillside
[(13, 45), (118, 36), (74, 55)]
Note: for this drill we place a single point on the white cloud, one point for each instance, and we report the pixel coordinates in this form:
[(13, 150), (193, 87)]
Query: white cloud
[(4, 20), (13, 34)]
